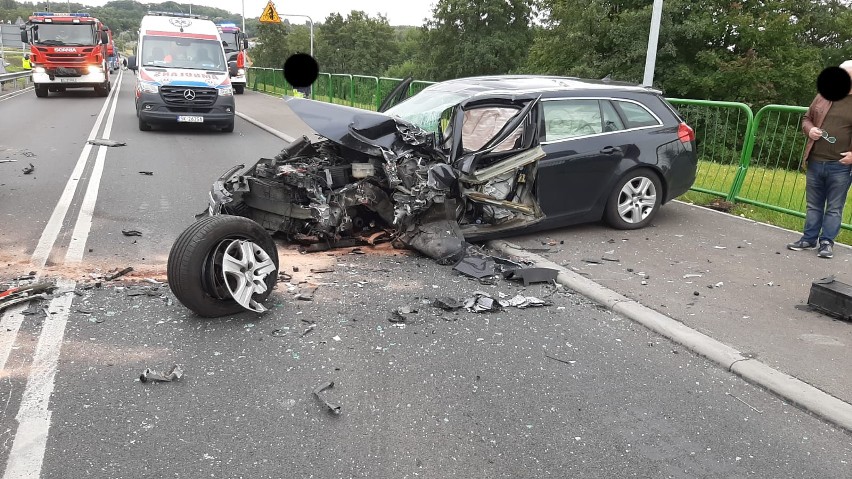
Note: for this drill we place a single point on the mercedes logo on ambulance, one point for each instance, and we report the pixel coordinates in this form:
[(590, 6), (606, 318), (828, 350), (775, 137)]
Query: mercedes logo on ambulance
[(189, 95)]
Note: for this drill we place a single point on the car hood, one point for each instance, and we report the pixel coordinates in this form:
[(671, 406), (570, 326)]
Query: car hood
[(184, 77), (362, 130)]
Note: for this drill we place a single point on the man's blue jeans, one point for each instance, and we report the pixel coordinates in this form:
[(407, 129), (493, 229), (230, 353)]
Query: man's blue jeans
[(827, 186)]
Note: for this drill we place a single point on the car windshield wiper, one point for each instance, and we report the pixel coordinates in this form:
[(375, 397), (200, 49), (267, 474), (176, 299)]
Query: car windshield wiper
[(51, 42)]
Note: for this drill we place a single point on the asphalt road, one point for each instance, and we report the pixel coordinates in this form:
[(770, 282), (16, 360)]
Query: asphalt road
[(566, 390)]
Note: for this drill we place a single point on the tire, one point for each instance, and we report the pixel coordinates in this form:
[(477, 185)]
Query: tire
[(228, 128), (239, 89), (143, 126), (195, 264), (102, 90), (41, 91), (634, 201)]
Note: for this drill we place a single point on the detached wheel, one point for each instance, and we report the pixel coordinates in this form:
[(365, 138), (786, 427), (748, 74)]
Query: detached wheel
[(634, 201), (223, 265)]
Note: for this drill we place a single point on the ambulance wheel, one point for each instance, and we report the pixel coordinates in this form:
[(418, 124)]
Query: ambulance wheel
[(144, 126)]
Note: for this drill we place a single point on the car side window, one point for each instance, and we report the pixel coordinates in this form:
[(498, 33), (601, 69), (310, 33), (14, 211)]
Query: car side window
[(564, 119), (482, 124), (636, 115), (611, 120)]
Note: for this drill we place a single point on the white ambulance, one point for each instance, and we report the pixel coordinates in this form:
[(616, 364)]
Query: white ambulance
[(182, 75)]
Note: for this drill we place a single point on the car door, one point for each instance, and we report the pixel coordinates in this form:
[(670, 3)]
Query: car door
[(586, 148)]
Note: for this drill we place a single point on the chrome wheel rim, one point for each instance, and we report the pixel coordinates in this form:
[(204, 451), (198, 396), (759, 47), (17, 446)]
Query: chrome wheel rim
[(245, 267), (637, 200)]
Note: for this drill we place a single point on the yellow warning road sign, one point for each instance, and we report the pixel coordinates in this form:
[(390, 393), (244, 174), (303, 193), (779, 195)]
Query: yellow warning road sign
[(269, 14)]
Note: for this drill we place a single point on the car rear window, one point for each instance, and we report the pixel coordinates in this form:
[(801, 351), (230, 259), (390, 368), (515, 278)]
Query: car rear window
[(636, 115)]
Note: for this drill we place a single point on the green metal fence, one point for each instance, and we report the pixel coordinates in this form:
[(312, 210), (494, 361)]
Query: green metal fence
[(743, 157)]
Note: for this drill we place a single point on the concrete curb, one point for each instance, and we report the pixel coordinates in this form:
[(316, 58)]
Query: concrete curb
[(264, 126), (788, 387)]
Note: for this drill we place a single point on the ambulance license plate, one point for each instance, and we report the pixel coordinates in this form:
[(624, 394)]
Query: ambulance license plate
[(190, 119)]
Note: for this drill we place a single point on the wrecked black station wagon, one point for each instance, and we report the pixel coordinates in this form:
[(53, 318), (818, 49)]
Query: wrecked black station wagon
[(463, 160)]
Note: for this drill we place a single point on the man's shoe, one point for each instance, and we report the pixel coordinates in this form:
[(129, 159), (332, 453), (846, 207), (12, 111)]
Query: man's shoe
[(825, 250), (800, 245)]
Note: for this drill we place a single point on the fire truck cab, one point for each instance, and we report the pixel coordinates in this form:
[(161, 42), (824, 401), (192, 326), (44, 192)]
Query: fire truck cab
[(67, 50)]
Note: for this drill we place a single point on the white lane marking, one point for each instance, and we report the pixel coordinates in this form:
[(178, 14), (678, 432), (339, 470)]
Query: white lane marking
[(54, 224), (9, 96), (10, 324), (27, 454), (87, 209)]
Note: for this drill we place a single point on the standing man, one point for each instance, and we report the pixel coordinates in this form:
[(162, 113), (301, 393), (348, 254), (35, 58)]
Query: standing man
[(828, 159)]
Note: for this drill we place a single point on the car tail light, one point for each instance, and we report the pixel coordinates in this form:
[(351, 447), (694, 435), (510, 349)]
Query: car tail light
[(241, 60), (685, 133)]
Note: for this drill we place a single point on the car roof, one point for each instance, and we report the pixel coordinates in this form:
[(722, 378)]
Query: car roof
[(533, 85)]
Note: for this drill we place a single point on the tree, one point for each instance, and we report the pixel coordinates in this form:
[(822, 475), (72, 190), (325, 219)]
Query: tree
[(358, 44), (754, 52), (477, 37)]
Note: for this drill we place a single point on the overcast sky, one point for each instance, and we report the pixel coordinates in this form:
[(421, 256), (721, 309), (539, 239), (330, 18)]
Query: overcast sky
[(398, 12)]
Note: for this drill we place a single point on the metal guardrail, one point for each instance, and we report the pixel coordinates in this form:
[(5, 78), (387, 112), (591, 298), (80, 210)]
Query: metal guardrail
[(14, 77), (743, 157)]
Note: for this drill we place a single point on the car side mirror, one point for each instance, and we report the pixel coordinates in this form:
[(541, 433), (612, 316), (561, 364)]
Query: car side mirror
[(131, 63), (245, 44), (104, 37), (24, 37)]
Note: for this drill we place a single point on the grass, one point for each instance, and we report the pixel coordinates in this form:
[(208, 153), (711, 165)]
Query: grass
[(781, 188)]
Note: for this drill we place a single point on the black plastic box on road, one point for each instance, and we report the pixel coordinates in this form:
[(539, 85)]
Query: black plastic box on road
[(831, 297)]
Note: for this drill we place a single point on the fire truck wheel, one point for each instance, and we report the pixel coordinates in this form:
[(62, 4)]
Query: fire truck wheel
[(103, 89), (239, 89), (41, 91), (219, 257)]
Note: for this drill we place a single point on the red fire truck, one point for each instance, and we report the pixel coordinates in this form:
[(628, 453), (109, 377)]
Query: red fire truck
[(67, 50), (235, 43)]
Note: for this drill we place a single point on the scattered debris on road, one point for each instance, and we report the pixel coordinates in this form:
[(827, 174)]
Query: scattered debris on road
[(329, 269), (147, 173), (23, 294), (532, 275), (106, 142), (306, 294), (401, 314), (29, 169), (448, 304), (131, 232), (119, 274), (311, 327), (318, 393), (8, 161), (175, 372), (564, 361)]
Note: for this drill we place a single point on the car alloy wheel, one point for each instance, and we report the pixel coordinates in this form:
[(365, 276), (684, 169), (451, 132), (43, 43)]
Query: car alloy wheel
[(244, 269), (635, 200)]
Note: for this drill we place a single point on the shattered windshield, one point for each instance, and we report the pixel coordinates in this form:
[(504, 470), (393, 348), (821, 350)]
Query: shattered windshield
[(425, 108), (182, 53), (80, 34)]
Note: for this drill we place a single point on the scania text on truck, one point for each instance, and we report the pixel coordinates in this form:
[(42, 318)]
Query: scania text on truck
[(236, 44), (182, 73), (67, 50)]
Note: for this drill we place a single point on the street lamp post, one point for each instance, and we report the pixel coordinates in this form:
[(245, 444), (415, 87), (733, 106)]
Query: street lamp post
[(312, 27), (244, 16)]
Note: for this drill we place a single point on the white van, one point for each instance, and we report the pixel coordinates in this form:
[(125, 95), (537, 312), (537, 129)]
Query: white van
[(182, 75)]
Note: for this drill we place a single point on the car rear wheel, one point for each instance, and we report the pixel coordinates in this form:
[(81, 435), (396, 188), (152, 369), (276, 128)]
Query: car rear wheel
[(634, 201), (223, 265)]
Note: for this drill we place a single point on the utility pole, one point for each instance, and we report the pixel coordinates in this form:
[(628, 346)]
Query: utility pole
[(653, 36)]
